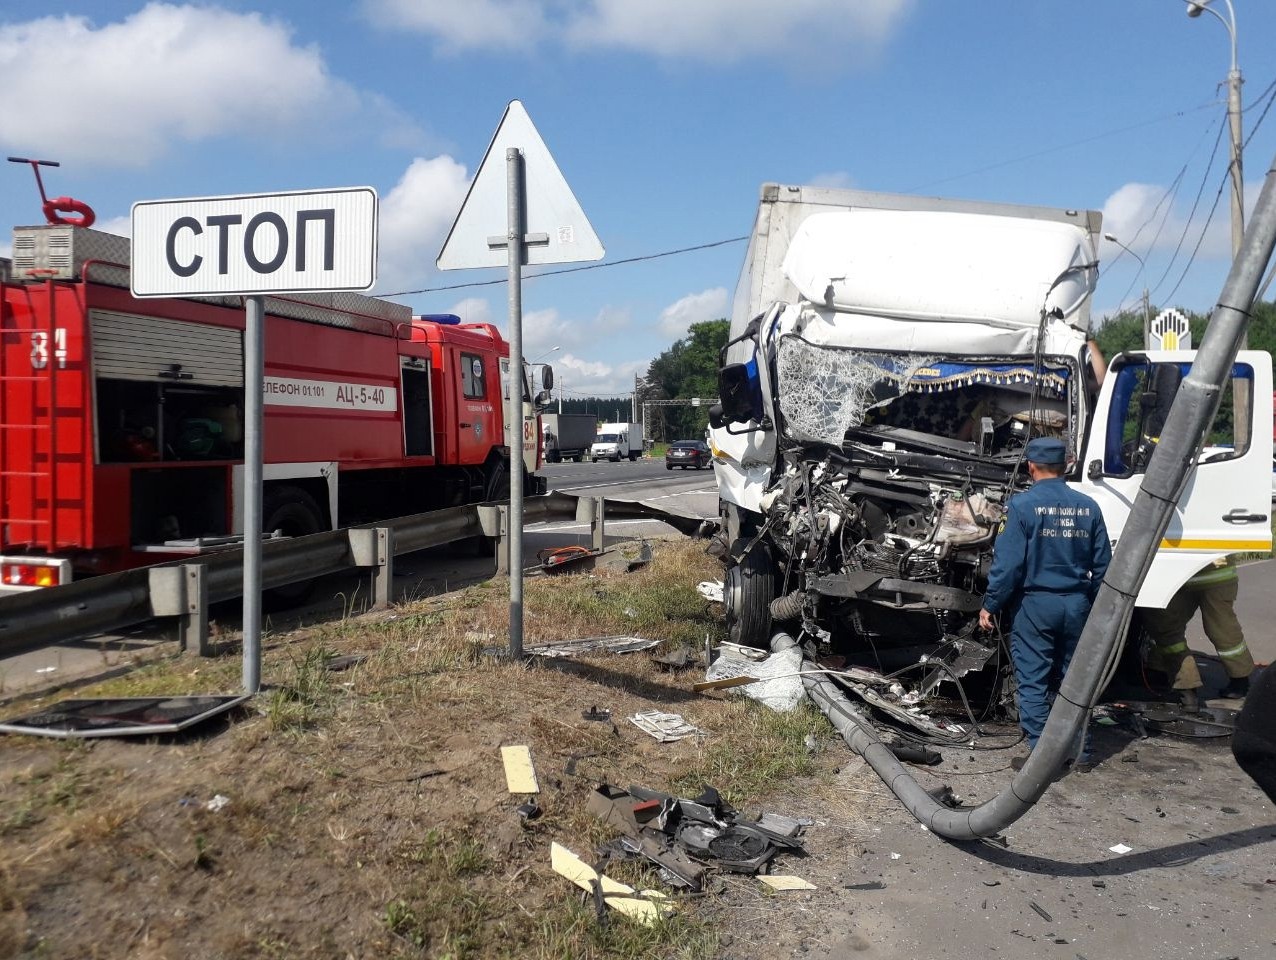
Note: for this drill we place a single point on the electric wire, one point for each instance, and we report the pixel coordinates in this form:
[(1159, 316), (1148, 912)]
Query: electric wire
[(1066, 146), (588, 266)]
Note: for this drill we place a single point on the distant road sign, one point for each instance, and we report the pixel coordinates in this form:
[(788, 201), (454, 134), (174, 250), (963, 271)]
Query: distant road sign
[(297, 242)]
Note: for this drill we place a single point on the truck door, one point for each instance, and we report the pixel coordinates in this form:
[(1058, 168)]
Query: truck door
[(475, 406), (418, 424), (524, 413), (1225, 507)]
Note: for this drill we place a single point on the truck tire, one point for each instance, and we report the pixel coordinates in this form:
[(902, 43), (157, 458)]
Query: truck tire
[(633, 456), (294, 512), (748, 589)]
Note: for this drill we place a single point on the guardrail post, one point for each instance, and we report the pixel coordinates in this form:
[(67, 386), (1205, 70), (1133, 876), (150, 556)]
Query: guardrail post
[(374, 548), (594, 510), (182, 592), (495, 523)]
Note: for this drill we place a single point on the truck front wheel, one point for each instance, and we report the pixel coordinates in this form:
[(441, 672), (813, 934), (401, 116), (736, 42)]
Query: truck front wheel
[(748, 589)]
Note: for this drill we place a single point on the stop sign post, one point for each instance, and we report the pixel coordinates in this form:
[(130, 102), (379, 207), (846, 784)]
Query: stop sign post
[(252, 245)]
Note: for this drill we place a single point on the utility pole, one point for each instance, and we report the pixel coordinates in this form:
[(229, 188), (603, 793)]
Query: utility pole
[(1147, 305), (1241, 394)]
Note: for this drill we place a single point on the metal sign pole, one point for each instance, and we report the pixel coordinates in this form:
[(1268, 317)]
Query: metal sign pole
[(514, 421), (254, 377)]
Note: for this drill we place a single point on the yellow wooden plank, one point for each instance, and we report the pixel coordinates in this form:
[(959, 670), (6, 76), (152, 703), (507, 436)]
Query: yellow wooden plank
[(645, 906), (520, 775), (781, 881)]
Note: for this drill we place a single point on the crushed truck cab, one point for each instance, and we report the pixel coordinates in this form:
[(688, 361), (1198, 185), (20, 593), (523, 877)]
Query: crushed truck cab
[(889, 359)]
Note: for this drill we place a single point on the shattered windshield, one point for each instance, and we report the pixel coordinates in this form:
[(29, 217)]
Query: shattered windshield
[(826, 392)]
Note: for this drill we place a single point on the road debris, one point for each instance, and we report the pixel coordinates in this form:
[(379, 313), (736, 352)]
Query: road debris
[(1120, 848), (679, 659), (520, 775), (778, 678), (217, 803), (573, 648), (786, 882), (665, 727), (1040, 911), (528, 811), (595, 715), (710, 590), (646, 906), (684, 837)]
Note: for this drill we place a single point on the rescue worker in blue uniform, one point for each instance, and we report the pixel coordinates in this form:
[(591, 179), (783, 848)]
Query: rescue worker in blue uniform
[(1050, 557)]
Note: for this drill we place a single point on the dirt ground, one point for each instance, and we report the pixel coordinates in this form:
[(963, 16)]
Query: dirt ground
[(365, 812)]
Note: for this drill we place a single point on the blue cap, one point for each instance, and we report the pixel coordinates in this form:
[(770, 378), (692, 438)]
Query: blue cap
[(1047, 451)]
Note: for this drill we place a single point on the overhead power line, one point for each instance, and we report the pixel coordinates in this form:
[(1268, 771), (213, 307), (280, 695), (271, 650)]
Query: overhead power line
[(588, 266)]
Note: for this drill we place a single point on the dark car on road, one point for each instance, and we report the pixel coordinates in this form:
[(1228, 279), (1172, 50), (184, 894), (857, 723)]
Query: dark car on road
[(688, 453)]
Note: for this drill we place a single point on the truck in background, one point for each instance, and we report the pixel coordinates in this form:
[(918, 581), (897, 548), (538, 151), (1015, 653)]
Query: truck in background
[(889, 358), (121, 426), (567, 436), (616, 441)]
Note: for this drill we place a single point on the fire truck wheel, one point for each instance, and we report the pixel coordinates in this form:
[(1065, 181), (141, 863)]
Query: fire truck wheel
[(293, 511)]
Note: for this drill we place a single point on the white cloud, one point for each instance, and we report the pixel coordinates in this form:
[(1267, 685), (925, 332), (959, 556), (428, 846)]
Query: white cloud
[(677, 318), (472, 310), (732, 30), (838, 178), (464, 24), (1135, 212), (719, 31), (414, 219), (119, 94)]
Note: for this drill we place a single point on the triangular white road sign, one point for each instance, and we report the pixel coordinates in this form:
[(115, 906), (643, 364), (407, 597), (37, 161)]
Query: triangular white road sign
[(552, 208)]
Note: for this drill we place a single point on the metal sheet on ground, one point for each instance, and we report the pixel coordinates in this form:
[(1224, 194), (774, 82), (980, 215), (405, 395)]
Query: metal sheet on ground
[(121, 716)]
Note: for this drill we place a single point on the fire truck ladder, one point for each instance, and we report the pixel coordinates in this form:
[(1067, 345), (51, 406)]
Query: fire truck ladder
[(27, 436)]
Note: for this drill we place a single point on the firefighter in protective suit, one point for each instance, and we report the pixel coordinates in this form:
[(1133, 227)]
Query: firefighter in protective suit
[(1050, 557), (1213, 592)]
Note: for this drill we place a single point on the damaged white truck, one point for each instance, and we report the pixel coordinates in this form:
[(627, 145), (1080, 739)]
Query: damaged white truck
[(890, 356)]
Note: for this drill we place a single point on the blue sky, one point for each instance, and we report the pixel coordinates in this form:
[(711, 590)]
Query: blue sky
[(665, 116)]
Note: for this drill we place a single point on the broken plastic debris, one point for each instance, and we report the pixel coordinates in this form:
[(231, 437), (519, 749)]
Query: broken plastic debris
[(786, 882), (1120, 848), (894, 856), (528, 811), (665, 727), (1040, 911), (520, 775), (217, 803), (710, 590), (646, 906)]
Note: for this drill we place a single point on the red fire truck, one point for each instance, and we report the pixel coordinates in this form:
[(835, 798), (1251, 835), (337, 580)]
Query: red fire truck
[(121, 429)]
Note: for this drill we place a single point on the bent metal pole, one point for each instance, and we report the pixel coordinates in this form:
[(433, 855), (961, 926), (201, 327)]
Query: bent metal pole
[(1184, 433)]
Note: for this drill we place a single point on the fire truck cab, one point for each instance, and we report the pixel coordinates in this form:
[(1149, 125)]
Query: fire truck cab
[(121, 430)]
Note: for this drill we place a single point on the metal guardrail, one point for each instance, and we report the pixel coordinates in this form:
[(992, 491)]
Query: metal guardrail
[(185, 588)]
